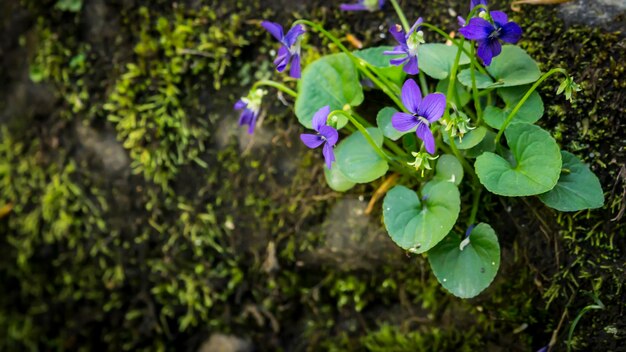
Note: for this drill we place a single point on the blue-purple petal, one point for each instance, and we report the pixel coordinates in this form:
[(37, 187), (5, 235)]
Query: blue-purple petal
[(477, 29), (282, 59), (403, 122), (320, 117), (488, 49), (499, 17), (399, 60), (511, 33), (423, 132), (415, 26), (312, 141), (411, 66), (292, 36), (330, 134), (432, 107), (240, 104), (475, 3), (329, 155), (295, 71), (275, 29), (394, 52), (352, 7), (411, 95), (397, 32)]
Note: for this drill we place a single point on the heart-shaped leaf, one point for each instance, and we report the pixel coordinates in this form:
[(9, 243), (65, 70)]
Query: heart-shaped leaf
[(436, 59), (513, 67), (336, 180), (358, 161), (466, 270), (418, 225), (578, 188), (449, 169), (375, 57), (332, 80), (535, 168), (530, 112), (469, 140)]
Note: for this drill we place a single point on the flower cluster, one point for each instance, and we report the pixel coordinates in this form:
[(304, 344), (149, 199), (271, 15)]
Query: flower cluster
[(407, 50), (250, 107), (290, 49), (326, 135)]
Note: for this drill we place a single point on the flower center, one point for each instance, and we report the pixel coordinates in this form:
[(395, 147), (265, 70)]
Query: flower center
[(422, 119), (413, 42), (496, 33)]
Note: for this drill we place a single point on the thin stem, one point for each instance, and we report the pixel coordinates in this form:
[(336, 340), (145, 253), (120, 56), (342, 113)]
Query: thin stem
[(363, 131), (423, 83), (401, 15), (477, 191), (279, 86), (452, 80), (479, 110), (526, 96), (360, 64)]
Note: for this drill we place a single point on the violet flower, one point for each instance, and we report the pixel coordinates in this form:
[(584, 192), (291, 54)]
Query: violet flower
[(409, 44), (363, 5), (250, 106), (423, 112), (326, 135), (290, 51), (488, 35)]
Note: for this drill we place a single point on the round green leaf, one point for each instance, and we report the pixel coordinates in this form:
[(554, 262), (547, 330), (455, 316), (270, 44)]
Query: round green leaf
[(436, 59), (513, 67), (375, 57), (530, 112), (449, 169), (332, 80), (535, 166), (488, 144), (578, 188), (419, 225), (358, 161), (383, 120), (469, 140), (336, 180), (466, 269)]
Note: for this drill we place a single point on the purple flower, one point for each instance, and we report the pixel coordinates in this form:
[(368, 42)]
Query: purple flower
[(407, 49), (423, 113), (250, 106), (290, 51), (488, 35), (363, 5), (326, 135)]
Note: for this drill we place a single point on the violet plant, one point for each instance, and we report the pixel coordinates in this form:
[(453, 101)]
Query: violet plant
[(436, 138)]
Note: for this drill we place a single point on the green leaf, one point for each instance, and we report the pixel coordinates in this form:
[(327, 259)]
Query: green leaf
[(578, 188), (449, 169), (418, 226), (465, 270), (513, 67), (336, 180), (436, 59), (469, 140), (332, 80), (375, 57), (530, 112), (69, 5), (535, 168), (488, 144), (383, 120), (357, 160), (464, 95)]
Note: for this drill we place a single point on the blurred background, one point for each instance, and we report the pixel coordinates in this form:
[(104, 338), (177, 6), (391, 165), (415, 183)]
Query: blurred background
[(136, 215)]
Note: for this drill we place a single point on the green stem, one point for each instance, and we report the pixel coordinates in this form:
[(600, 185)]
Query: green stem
[(526, 96), (361, 65), (477, 191), (279, 86), (363, 131), (479, 110), (423, 83), (401, 15), (452, 81)]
